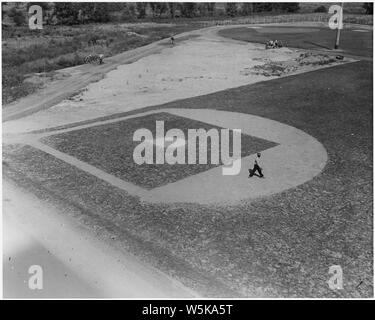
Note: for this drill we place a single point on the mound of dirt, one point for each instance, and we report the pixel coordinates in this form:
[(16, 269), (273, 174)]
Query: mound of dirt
[(309, 58), (279, 68)]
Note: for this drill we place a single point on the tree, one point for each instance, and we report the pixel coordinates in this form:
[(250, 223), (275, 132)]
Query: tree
[(117, 6), (161, 8), (158, 8), (247, 8), (188, 9), (86, 11), (153, 8), (128, 12), (100, 12), (172, 6), (277, 7), (202, 9), (66, 13), (211, 8), (17, 16), (44, 5), (3, 11), (231, 9), (262, 6), (141, 9), (369, 7), (131, 9), (321, 9), (290, 6)]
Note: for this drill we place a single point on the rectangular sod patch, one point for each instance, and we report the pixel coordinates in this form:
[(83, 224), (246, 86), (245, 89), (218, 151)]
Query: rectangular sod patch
[(110, 147)]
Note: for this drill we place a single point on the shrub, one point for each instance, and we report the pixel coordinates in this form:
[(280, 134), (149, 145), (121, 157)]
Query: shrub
[(17, 16), (369, 7), (321, 9), (231, 9)]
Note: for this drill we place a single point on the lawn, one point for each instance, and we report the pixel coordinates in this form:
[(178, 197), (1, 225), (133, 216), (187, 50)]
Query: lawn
[(280, 245), (351, 42)]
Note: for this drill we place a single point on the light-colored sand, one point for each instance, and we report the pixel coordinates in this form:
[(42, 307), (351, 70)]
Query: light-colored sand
[(196, 67)]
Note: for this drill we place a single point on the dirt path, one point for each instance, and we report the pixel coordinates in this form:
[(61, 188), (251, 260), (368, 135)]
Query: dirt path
[(78, 78)]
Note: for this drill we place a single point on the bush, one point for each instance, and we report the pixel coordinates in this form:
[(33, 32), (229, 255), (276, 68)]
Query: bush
[(17, 16), (128, 14), (141, 9), (14, 86), (369, 7), (66, 13), (231, 9), (188, 9), (321, 9), (290, 7)]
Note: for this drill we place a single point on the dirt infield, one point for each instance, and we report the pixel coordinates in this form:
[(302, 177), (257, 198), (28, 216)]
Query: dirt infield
[(112, 148)]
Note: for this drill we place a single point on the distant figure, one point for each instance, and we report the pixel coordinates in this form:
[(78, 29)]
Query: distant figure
[(269, 44), (256, 167), (172, 41), (101, 57)]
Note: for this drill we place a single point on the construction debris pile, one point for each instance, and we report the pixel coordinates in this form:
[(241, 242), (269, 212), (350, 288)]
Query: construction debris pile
[(279, 68), (274, 44)]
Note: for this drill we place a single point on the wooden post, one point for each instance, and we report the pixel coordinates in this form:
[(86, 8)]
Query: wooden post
[(338, 27)]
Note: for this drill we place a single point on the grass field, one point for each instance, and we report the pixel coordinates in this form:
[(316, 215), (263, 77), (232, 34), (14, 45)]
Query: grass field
[(280, 245), (351, 42)]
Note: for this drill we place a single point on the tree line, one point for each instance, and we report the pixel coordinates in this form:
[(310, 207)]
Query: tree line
[(69, 13)]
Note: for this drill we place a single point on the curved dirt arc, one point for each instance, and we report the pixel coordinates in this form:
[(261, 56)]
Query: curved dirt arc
[(296, 159)]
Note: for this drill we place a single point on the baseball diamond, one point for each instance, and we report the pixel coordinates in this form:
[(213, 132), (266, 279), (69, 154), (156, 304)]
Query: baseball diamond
[(308, 154), (227, 156)]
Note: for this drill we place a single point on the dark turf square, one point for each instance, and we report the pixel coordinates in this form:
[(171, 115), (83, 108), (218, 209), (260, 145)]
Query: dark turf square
[(110, 147)]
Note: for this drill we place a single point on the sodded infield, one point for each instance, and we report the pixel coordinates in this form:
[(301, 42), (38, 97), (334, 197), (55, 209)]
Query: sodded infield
[(110, 147)]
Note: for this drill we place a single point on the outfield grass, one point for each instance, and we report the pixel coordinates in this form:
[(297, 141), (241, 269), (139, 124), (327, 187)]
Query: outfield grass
[(351, 42), (280, 245)]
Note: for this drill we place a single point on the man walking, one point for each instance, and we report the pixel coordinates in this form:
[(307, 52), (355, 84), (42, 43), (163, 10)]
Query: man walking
[(101, 57), (257, 167)]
